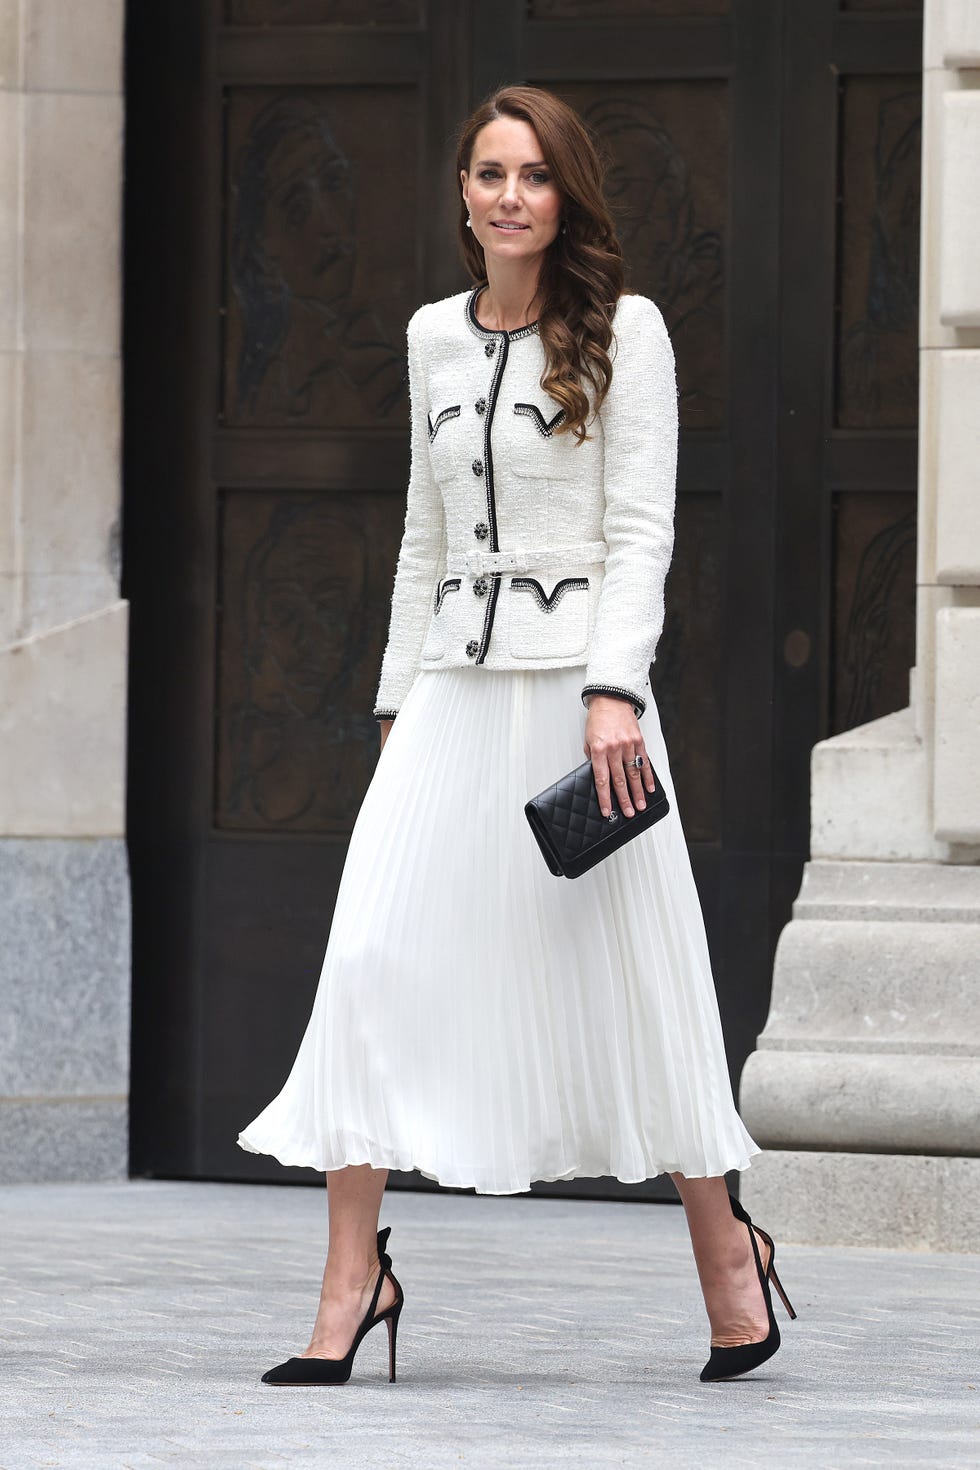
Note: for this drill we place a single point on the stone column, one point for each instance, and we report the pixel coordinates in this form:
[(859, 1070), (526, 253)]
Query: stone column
[(865, 1087), (64, 892)]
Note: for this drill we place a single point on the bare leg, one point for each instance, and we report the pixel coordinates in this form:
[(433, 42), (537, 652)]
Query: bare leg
[(354, 1204), (726, 1266)]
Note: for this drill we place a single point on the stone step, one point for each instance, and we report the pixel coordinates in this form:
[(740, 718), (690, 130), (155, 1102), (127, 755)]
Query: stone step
[(875, 985), (916, 892)]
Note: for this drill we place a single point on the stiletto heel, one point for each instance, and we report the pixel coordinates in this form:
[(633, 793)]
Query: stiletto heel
[(732, 1362), (779, 1287), (392, 1331), (309, 1371)]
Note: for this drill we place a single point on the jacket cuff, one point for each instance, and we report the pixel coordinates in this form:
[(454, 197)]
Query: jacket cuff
[(382, 713), (614, 691)]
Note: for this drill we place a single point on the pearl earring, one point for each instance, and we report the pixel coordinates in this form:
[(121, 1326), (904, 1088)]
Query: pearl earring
[(469, 222)]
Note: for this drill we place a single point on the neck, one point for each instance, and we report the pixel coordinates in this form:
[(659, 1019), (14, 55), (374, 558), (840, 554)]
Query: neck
[(509, 301)]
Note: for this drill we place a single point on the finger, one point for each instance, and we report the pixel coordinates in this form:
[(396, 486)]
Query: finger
[(649, 780), (600, 774), (635, 778), (621, 786)]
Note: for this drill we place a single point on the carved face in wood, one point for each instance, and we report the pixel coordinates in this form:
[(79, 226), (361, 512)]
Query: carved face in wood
[(305, 608), (295, 204), (294, 256)]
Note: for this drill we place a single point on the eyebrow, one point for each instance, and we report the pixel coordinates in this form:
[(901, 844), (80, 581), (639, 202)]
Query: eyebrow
[(495, 163)]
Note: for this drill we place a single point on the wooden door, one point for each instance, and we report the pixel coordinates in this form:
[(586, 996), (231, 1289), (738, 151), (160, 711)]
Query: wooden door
[(290, 200)]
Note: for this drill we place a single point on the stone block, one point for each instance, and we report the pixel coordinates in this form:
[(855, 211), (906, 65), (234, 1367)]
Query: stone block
[(63, 729), (74, 1138), (928, 471), (901, 1201), (71, 498), (72, 47), (870, 793), (64, 968), (957, 486), (10, 544), (937, 85), (886, 985), (936, 893), (959, 1204), (959, 208), (11, 123), (852, 1100), (931, 599), (11, 75), (952, 34), (956, 760), (72, 219)]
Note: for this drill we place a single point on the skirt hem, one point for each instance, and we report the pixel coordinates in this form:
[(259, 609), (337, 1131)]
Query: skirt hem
[(383, 1159)]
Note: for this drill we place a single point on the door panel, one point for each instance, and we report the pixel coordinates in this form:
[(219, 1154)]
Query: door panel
[(303, 584), (317, 284), (668, 185)]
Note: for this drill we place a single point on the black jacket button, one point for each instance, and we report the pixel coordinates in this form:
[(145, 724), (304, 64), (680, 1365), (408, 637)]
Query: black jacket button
[(472, 648), (490, 348), (481, 530), (481, 586), (481, 405), (478, 467)]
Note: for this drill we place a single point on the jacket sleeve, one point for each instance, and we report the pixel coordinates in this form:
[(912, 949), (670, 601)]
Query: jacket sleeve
[(639, 421), (422, 556)]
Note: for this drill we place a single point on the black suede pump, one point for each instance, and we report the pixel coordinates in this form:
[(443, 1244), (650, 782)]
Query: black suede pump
[(306, 1372), (732, 1362)]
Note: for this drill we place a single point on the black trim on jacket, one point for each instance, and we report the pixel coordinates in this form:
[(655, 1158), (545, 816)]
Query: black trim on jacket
[(639, 704), (546, 603)]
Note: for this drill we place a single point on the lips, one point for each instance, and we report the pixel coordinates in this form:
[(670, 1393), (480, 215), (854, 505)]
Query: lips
[(510, 226)]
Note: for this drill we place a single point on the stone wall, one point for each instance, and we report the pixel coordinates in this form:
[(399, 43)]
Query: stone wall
[(64, 893)]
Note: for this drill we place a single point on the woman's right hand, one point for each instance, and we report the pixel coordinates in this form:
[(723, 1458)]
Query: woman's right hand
[(613, 740), (385, 730)]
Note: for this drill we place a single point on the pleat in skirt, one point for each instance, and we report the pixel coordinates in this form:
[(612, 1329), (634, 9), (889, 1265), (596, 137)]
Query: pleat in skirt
[(480, 1020)]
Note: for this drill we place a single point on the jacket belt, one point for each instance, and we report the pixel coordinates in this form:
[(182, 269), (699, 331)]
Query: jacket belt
[(545, 558)]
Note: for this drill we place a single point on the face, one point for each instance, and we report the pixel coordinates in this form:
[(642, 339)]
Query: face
[(513, 202), (309, 227), (307, 613)]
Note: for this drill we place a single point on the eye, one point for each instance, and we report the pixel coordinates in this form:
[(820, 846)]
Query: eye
[(488, 173), (295, 205), (540, 177), (332, 178)]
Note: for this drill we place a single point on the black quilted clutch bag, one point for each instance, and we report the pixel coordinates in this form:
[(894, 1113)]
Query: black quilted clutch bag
[(571, 830)]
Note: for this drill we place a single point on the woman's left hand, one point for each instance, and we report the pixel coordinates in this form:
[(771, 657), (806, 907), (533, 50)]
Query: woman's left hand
[(612, 738)]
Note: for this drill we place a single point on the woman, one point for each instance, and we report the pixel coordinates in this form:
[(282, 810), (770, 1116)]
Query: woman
[(476, 1018)]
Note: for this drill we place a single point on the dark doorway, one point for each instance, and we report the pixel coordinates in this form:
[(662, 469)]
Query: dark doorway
[(289, 202)]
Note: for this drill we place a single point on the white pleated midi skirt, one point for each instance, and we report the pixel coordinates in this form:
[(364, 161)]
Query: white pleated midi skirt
[(480, 1020)]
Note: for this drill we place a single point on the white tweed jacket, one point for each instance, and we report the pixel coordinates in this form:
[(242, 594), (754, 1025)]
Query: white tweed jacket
[(522, 549)]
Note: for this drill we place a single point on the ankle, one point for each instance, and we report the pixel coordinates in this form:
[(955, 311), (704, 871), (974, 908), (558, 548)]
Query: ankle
[(349, 1275), (727, 1266)]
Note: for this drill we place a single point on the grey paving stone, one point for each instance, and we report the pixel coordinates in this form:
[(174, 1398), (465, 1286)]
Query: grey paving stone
[(138, 1318)]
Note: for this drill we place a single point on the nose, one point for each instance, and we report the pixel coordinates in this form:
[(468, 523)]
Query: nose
[(511, 193)]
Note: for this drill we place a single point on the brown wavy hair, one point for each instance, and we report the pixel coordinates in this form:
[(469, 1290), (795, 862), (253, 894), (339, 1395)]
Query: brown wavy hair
[(582, 274)]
